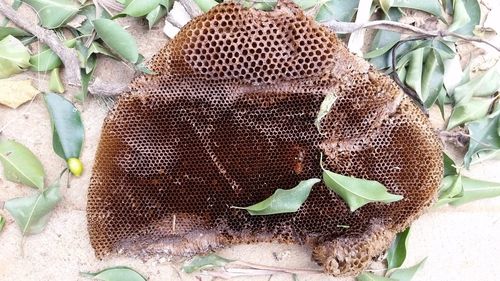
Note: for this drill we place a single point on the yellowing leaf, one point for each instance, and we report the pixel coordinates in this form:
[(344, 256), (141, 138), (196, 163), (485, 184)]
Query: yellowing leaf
[(13, 93), (283, 201), (14, 56), (358, 192), (55, 83)]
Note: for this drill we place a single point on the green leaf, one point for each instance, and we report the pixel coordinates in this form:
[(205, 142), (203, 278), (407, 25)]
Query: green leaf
[(339, 10), (46, 59), (466, 15), (367, 276), (67, 127), (305, 4), (21, 165), (204, 262), (2, 222), (484, 136), (430, 6), (205, 5), (14, 56), (33, 212), (396, 254), (451, 187), (54, 13), (155, 15), (118, 273), (139, 8), (55, 83), (324, 109), (283, 201), (474, 189), (15, 32), (475, 108), (384, 41), (432, 78), (406, 274), (358, 192), (414, 74), (117, 39), (482, 85), (449, 165), (86, 77)]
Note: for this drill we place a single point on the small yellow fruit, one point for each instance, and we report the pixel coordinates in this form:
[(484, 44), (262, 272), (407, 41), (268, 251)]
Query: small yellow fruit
[(75, 166)]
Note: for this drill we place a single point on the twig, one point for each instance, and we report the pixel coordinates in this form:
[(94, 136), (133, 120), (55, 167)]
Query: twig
[(408, 91), (191, 8), (48, 37), (350, 27)]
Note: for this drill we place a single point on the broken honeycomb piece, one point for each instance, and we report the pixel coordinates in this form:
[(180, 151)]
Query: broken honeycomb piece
[(228, 117)]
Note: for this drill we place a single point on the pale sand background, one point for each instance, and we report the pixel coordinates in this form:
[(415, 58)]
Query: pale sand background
[(460, 243)]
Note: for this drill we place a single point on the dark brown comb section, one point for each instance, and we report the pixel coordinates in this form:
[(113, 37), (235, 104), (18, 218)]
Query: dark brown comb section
[(229, 117)]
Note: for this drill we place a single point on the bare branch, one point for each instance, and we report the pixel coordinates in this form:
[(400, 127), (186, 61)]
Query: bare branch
[(191, 8), (350, 27), (48, 37)]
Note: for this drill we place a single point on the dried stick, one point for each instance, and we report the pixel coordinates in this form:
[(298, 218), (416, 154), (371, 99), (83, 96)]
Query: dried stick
[(48, 37)]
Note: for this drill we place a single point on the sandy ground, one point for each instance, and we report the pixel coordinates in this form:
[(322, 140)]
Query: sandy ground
[(460, 243)]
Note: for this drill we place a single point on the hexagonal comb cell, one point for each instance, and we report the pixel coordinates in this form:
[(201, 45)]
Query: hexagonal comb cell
[(228, 117)]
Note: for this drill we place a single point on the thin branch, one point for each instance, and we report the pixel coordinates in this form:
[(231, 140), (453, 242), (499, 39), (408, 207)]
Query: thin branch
[(350, 27), (191, 8), (48, 37)]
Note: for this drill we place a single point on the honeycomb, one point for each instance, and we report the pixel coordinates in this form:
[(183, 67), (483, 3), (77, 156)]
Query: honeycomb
[(228, 117)]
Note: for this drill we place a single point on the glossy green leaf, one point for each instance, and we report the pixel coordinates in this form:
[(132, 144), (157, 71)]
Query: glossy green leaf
[(46, 59), (396, 254), (474, 189), (383, 42), (414, 74), (432, 78), (367, 276), (118, 273), (482, 85), (155, 15), (358, 192), (206, 5), (406, 274), (451, 187), (484, 136), (117, 39), (67, 127), (13, 31), (430, 6), (139, 8), (306, 4), (449, 165), (324, 109), (339, 10), (14, 56), (21, 165), (2, 223), (204, 262), (33, 212), (283, 201), (473, 109), (54, 13), (55, 83), (466, 15)]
